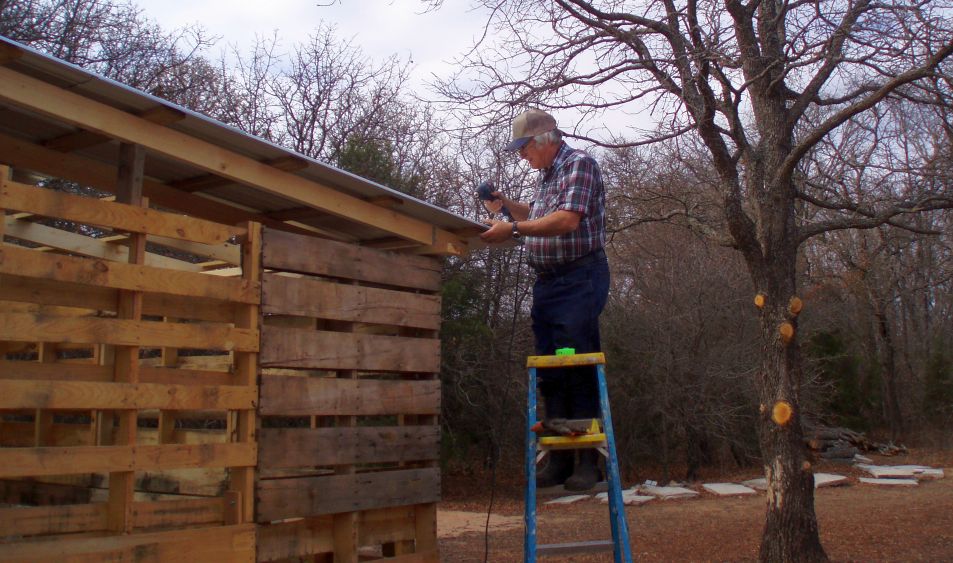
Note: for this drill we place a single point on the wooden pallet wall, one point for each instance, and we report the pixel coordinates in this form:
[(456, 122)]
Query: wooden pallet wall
[(103, 389), (349, 402)]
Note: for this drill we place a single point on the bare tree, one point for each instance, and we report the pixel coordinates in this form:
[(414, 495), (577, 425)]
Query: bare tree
[(760, 83), (116, 40)]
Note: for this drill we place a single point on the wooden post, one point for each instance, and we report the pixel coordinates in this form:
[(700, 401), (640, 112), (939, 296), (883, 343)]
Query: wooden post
[(346, 541), (4, 176), (43, 419), (166, 430), (425, 515), (126, 366), (242, 479)]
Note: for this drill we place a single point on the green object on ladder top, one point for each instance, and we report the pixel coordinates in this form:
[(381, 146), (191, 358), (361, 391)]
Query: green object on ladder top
[(565, 351)]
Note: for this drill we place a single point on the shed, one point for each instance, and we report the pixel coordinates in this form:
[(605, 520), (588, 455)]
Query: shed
[(225, 349)]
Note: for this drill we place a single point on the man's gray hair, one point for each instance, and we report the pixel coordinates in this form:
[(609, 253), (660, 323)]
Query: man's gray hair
[(549, 137)]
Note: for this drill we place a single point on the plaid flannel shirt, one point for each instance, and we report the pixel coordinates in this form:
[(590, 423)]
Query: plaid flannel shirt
[(572, 183)]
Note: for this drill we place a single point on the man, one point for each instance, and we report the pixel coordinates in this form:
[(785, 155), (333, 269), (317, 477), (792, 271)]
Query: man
[(564, 229)]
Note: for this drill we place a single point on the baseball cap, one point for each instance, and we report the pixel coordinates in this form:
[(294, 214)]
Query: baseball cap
[(527, 125)]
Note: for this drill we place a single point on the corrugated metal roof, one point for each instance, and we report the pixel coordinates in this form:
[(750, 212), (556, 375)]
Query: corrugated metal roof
[(38, 129)]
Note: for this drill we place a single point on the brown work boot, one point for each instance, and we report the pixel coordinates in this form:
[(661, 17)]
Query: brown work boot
[(586, 474), (557, 469)]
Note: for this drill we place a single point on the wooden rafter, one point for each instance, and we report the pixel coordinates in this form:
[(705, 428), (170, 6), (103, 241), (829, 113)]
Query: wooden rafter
[(83, 112), (160, 115), (102, 176), (210, 181)]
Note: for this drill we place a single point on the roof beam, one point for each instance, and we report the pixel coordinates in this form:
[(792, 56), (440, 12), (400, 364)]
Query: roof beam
[(23, 154), (161, 115), (80, 111), (210, 181), (9, 53)]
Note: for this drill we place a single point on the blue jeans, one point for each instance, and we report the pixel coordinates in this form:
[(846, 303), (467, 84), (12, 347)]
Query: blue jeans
[(565, 313)]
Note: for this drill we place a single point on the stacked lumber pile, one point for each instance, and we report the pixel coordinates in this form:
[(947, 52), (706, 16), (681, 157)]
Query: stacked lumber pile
[(842, 444)]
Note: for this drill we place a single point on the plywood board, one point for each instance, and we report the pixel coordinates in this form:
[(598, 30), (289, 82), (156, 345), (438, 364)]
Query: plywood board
[(300, 447), (309, 255), (316, 349), (308, 297), (311, 496), (299, 396)]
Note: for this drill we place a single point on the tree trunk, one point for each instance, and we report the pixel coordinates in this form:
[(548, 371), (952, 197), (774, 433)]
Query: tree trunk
[(888, 361), (790, 531)]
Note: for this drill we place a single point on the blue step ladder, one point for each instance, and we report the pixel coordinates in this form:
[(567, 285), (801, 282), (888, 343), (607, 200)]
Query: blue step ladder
[(598, 435)]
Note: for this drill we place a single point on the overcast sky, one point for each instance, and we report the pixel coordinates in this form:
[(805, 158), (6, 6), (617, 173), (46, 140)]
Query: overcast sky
[(380, 28)]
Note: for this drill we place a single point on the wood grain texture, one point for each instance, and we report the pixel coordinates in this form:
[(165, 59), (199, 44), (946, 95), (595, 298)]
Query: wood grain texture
[(82, 395), (33, 462), (18, 261), (331, 494), (113, 215), (317, 349), (94, 299), (300, 447), (222, 544), (299, 396), (88, 330), (309, 255), (308, 297)]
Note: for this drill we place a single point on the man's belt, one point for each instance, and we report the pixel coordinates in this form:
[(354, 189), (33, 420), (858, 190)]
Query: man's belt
[(562, 269)]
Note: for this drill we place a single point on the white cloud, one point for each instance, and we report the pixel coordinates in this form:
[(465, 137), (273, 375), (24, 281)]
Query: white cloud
[(380, 28)]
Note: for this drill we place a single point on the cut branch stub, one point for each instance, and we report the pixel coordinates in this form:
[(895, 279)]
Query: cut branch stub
[(781, 413), (786, 330), (759, 300), (795, 305)]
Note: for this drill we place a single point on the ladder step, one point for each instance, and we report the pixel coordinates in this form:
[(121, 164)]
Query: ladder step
[(592, 546), (568, 442)]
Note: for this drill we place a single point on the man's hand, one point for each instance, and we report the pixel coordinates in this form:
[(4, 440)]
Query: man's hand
[(499, 231), (494, 205)]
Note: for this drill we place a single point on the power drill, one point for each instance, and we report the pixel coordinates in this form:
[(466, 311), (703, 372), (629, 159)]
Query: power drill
[(485, 193)]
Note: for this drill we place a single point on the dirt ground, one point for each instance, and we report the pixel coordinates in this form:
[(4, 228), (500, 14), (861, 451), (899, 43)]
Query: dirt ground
[(858, 522)]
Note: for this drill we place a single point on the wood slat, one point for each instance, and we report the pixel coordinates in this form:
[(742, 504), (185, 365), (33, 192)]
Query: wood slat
[(187, 512), (37, 371), (300, 396), (432, 556), (18, 261), (316, 349), (113, 215), (65, 519), (300, 447), (52, 292), (76, 243), (225, 544), (85, 395), (309, 255), (313, 496), (33, 462), (102, 176), (22, 327), (285, 295), (299, 538)]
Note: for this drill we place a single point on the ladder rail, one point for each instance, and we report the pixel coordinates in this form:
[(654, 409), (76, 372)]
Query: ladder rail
[(620, 528), (529, 514), (622, 550)]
